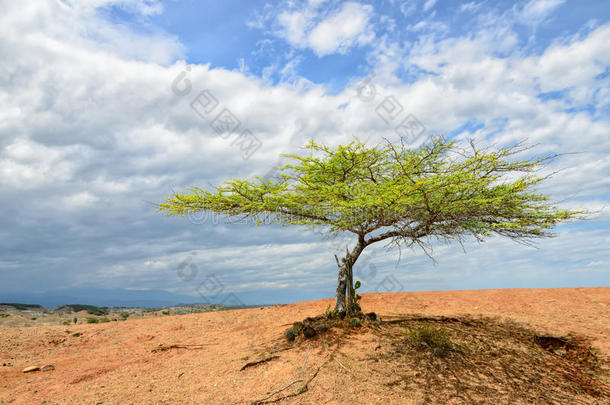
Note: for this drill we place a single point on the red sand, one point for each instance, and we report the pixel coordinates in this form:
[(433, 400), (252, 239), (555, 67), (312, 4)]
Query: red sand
[(114, 362)]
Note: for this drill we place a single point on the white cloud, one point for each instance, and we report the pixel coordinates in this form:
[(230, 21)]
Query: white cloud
[(145, 7), (79, 24), (350, 26), (294, 25), (25, 164), (574, 65), (90, 132), (79, 200), (316, 3), (429, 4), (407, 8), (344, 28), (536, 11), (470, 6)]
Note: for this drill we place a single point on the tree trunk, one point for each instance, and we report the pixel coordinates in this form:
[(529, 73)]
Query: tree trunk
[(340, 305), (344, 272)]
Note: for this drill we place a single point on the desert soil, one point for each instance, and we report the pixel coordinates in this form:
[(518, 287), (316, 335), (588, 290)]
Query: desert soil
[(117, 362)]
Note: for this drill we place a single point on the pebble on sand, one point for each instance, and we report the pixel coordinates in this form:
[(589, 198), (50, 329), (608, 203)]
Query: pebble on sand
[(31, 369)]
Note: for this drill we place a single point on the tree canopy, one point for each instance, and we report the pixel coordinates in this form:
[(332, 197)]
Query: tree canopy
[(389, 192)]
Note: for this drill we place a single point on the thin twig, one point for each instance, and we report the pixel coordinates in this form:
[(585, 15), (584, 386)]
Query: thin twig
[(161, 348), (302, 379), (350, 371), (254, 363), (303, 389), (277, 391), (305, 362), (282, 349)]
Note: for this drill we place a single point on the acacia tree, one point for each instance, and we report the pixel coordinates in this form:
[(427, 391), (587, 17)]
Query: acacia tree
[(390, 193)]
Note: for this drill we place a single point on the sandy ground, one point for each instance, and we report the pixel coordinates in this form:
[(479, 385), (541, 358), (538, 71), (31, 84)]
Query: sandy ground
[(115, 362)]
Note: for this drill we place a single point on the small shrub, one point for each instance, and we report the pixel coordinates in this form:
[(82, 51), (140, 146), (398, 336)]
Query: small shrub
[(309, 332), (91, 309), (4, 315), (355, 322), (67, 322), (298, 327), (290, 334), (321, 328), (34, 318), (165, 312), (429, 337), (124, 315), (104, 320), (92, 320)]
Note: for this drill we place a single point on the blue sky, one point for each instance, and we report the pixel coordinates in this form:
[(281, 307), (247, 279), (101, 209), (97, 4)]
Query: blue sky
[(97, 124)]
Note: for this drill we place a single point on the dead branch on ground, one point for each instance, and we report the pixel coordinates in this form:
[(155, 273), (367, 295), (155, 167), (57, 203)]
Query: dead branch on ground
[(162, 348), (302, 379), (256, 362)]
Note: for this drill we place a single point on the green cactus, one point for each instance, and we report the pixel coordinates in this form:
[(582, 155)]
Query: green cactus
[(290, 334)]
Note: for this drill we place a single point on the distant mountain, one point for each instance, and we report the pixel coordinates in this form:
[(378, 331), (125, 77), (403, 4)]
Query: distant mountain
[(156, 298), (22, 307), (100, 298)]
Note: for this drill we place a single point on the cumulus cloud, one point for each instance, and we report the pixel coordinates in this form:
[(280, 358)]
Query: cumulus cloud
[(342, 29), (60, 25), (92, 135), (574, 66), (337, 33)]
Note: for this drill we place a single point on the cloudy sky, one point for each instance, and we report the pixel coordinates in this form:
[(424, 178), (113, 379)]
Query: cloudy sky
[(106, 106)]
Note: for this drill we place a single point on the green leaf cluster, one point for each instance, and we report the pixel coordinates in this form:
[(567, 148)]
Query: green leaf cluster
[(390, 191)]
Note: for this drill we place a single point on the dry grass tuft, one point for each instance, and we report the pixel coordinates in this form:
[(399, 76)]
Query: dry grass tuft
[(474, 360)]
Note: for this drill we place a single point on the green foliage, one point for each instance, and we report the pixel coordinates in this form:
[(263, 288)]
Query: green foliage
[(322, 327), (297, 326), (67, 322), (91, 309), (33, 318), (165, 312), (291, 334), (4, 315), (436, 190), (124, 315), (92, 320), (356, 322), (389, 192), (429, 337), (104, 320), (355, 299)]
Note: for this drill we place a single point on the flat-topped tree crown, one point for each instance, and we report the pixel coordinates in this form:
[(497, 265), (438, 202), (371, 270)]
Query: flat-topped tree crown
[(389, 192)]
